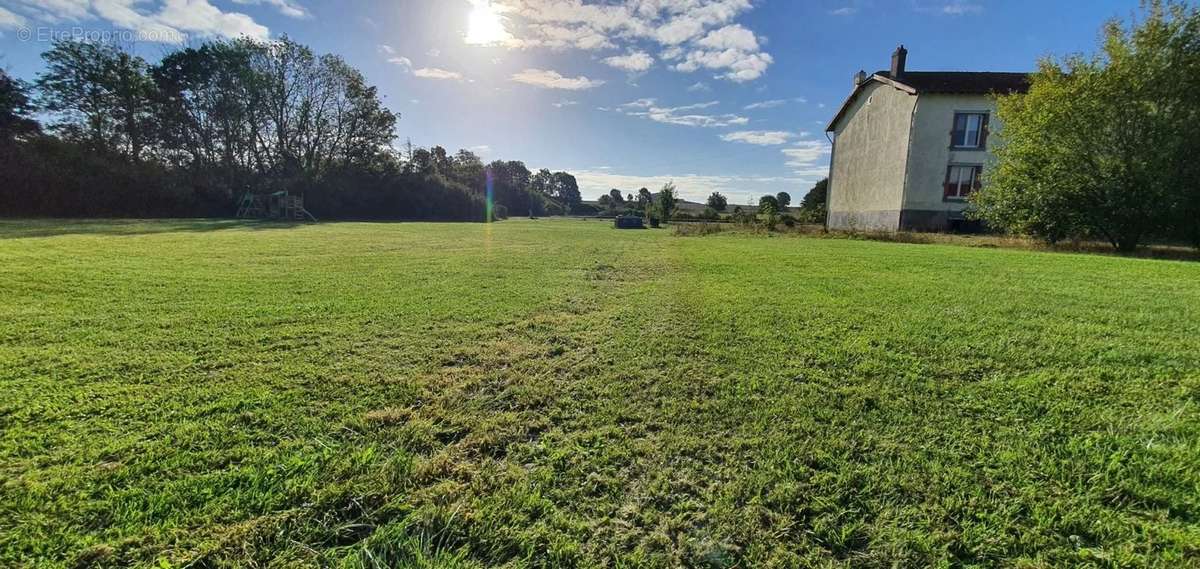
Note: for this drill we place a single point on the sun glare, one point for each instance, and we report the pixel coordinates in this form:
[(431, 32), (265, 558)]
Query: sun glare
[(485, 25)]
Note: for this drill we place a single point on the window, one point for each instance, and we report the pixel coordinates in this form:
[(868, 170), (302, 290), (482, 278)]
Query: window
[(961, 180), (970, 130)]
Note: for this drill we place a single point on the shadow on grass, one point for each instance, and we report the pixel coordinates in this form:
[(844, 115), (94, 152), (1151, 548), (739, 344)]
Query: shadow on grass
[(29, 228)]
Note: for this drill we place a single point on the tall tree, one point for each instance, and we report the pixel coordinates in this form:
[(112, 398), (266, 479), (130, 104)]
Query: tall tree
[(717, 201), (666, 201), (15, 108), (644, 198), (98, 95), (784, 200), (566, 191), (1104, 146), (467, 169), (814, 200)]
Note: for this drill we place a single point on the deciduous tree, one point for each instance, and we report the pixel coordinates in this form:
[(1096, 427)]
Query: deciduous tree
[(1105, 146)]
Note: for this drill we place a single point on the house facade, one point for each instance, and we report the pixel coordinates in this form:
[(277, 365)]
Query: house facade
[(909, 147)]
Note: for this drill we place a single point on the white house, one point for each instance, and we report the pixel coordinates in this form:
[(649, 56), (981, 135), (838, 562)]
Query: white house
[(910, 146)]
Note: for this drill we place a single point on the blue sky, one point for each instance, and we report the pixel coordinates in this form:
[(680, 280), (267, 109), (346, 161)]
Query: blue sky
[(728, 95)]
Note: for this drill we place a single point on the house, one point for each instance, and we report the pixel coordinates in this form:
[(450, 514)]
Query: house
[(910, 146)]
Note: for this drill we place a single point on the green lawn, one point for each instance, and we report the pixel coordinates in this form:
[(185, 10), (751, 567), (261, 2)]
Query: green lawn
[(559, 393)]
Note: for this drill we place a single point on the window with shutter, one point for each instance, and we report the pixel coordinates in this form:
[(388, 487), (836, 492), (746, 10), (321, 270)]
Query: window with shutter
[(970, 130), (961, 180)]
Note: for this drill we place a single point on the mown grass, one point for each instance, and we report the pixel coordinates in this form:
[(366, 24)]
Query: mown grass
[(559, 393)]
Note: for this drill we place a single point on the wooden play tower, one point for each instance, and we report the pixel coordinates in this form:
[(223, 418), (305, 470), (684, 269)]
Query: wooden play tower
[(278, 205)]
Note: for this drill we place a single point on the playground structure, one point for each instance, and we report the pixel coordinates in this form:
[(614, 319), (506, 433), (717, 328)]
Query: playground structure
[(278, 205)]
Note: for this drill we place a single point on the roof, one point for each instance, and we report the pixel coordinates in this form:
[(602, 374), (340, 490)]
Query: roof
[(945, 82)]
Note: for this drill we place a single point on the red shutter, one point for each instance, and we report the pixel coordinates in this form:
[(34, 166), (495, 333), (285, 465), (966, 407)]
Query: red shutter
[(983, 132)]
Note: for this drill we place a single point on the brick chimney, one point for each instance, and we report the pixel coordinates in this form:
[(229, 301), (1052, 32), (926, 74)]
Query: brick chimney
[(899, 57)]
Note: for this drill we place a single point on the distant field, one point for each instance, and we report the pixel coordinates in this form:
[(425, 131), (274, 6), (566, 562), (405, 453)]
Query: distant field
[(560, 394)]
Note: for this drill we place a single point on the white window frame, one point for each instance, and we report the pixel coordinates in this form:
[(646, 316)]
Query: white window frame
[(959, 195), (980, 117)]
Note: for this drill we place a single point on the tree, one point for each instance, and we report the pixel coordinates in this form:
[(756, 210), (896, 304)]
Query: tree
[(666, 201), (511, 187), (812, 207), (99, 95), (467, 169), (816, 198), (15, 108), (784, 200), (1104, 146), (566, 191), (768, 210), (644, 199), (617, 198), (542, 183), (717, 201)]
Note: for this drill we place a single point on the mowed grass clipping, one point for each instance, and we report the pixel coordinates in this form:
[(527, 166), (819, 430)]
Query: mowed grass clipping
[(563, 394)]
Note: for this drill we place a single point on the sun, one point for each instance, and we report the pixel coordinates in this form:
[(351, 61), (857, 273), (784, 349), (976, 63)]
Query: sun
[(485, 25)]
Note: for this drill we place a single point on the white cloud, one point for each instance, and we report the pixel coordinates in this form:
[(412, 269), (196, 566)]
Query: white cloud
[(550, 79), (699, 86), (959, 8), (433, 52), (481, 150), (742, 66), (164, 21), (766, 104), (649, 109), (701, 30), (844, 11), (807, 158), (9, 19), (772, 103), (634, 61), (759, 137), (730, 37), (386, 49), (565, 103), (200, 17), (285, 7), (58, 11), (436, 73), (400, 60)]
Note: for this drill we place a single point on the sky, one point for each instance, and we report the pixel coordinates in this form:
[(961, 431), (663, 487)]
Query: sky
[(714, 95)]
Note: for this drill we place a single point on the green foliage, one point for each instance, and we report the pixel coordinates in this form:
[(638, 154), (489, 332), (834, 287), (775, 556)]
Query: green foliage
[(16, 108), (813, 206), (644, 198), (98, 95), (666, 201), (554, 393), (783, 199), (768, 211), (1104, 147), (717, 201), (193, 133)]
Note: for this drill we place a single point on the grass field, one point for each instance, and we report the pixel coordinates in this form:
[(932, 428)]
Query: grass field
[(560, 394)]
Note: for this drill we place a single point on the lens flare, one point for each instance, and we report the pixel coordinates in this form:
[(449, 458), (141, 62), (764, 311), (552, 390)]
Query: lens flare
[(490, 196)]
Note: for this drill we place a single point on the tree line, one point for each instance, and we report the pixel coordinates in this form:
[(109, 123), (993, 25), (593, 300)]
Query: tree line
[(189, 135)]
